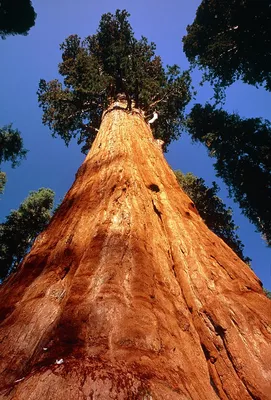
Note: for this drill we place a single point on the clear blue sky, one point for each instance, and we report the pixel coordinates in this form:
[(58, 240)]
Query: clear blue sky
[(24, 60)]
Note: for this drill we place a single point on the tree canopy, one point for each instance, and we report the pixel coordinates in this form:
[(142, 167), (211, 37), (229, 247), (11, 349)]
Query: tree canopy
[(11, 145), (103, 66), (11, 150), (243, 159), (3, 180), (22, 226), (212, 210), (16, 17), (230, 40)]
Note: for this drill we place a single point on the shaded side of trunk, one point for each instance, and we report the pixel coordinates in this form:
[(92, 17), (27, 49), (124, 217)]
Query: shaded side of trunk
[(128, 295)]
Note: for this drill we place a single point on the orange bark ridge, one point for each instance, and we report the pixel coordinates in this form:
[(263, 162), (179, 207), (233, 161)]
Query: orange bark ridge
[(128, 295)]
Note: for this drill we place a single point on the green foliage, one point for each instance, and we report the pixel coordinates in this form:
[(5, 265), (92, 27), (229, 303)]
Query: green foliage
[(11, 145), (3, 180), (230, 40), (16, 17), (103, 66), (22, 226), (267, 293), (212, 210), (243, 159), (11, 149)]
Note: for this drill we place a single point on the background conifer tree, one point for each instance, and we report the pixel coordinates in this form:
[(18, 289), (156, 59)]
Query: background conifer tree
[(16, 17), (231, 40), (241, 148), (11, 150), (22, 226)]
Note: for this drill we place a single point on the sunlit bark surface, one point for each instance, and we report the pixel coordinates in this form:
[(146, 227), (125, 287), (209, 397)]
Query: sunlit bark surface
[(128, 295)]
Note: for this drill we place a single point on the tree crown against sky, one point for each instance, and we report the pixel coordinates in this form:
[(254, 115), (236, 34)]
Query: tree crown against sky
[(230, 40), (11, 145), (3, 181), (103, 66), (243, 159), (11, 150), (16, 17), (21, 228), (212, 210)]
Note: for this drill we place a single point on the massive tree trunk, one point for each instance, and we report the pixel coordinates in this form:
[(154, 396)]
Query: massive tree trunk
[(128, 295)]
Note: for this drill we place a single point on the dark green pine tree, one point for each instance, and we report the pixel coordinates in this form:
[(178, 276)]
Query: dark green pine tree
[(16, 17), (11, 150), (104, 67), (22, 226), (230, 40), (243, 159), (212, 210)]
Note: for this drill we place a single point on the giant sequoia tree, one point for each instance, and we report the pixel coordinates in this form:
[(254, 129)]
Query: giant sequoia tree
[(243, 158), (212, 210), (127, 294), (230, 40)]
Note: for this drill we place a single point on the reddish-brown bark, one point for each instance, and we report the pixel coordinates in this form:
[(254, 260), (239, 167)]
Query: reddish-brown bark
[(130, 288)]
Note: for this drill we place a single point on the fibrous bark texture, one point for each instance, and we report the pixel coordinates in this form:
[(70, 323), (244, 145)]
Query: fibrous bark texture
[(128, 295)]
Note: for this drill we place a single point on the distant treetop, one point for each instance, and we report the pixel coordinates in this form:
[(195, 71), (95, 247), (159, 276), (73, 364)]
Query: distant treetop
[(16, 17), (11, 145), (22, 226), (11, 149), (241, 148), (230, 40)]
